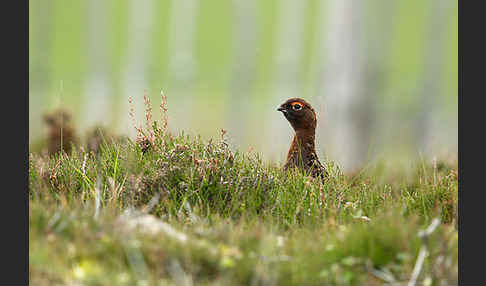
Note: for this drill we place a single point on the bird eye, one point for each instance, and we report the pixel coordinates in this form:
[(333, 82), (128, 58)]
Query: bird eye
[(297, 106)]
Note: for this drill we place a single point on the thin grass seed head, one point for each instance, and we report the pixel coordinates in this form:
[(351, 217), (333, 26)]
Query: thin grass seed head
[(148, 114), (163, 108)]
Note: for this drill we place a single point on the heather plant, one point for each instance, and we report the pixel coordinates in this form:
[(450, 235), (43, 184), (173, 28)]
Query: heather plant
[(167, 209)]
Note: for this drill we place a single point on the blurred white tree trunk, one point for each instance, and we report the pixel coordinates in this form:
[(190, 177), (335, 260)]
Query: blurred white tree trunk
[(287, 82), (97, 90), (243, 65), (134, 75), (428, 123), (182, 59), (39, 73), (381, 25), (372, 114), (182, 27), (343, 88)]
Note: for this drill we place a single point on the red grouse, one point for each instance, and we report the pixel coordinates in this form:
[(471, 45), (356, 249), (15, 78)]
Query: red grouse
[(303, 120)]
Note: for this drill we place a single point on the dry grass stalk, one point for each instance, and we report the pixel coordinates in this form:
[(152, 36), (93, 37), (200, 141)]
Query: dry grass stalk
[(132, 116), (163, 109), (146, 138)]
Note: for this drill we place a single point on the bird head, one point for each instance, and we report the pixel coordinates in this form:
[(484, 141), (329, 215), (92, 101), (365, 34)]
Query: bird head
[(299, 113), (57, 118)]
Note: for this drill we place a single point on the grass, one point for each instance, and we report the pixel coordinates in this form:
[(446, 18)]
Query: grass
[(190, 212)]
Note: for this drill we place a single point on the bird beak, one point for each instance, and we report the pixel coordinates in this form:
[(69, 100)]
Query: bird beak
[(281, 109)]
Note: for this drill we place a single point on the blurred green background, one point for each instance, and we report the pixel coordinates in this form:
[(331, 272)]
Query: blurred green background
[(382, 74)]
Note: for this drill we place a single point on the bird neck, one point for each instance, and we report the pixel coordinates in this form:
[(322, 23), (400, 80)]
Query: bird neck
[(305, 138)]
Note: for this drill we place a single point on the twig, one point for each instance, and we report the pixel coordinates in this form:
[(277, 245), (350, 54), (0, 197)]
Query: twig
[(83, 167), (97, 193), (423, 251)]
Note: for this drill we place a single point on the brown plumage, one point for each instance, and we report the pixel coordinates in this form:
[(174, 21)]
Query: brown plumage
[(98, 136), (95, 139), (302, 153), (61, 133)]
